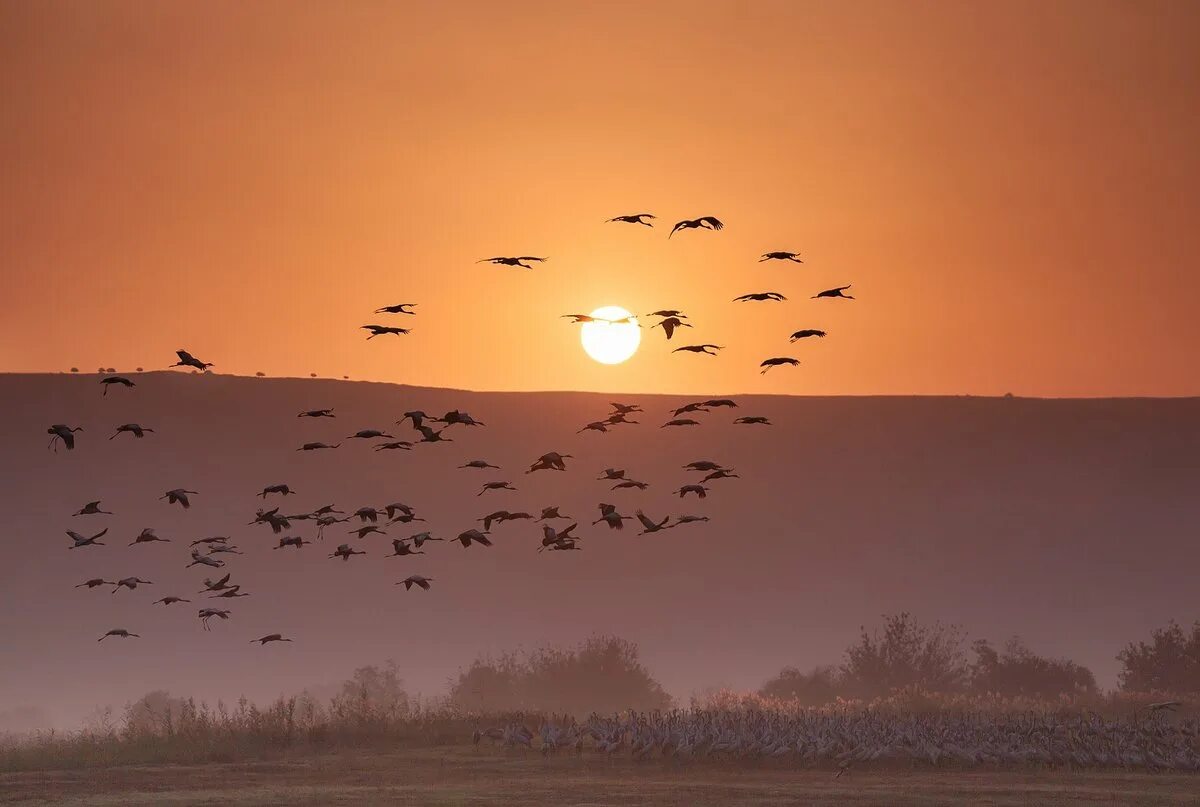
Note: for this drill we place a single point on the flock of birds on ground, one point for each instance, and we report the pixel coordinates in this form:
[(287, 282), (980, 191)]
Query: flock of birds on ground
[(213, 552), (847, 737)]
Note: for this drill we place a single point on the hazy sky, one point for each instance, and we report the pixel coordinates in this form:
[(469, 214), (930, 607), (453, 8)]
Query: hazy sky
[(1011, 188)]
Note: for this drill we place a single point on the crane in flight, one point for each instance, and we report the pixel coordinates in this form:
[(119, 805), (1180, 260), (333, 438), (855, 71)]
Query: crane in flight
[(318, 446), (550, 513), (296, 541), (636, 218), (136, 429), (95, 582), (480, 464), (199, 559), (383, 330), (205, 614), (836, 292), (649, 525), (760, 296), (115, 379), (119, 632), (781, 256), (92, 509), (702, 223), (398, 308), (344, 551), (670, 324), (705, 349), (60, 432), (188, 360), (148, 536), (753, 420), (317, 413), (130, 583), (805, 334), (179, 496), (630, 483), (472, 536), (169, 601), (517, 261), (395, 445), (282, 490), (550, 461), (494, 486), (417, 580), (81, 540), (680, 422), (270, 637), (778, 361), (699, 490), (400, 548), (610, 516)]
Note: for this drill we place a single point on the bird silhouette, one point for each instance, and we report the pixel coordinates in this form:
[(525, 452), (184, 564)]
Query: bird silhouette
[(805, 334), (294, 541), (130, 583), (95, 582), (494, 486), (416, 580), (550, 513), (317, 413), (630, 483), (702, 223), (398, 308), (633, 219), (282, 490), (595, 426), (383, 330), (669, 325), (416, 416), (60, 432), (649, 525), (680, 422), (781, 256), (760, 296), (754, 420), (135, 429), (188, 360), (611, 474), (395, 445), (204, 560), (688, 520), (837, 292), (179, 496), (550, 461), (518, 261), (115, 379), (270, 637), (400, 548), (344, 551), (216, 539), (472, 536), (428, 435), (421, 537), (610, 516), (370, 529), (699, 406), (119, 632), (779, 361), (720, 473), (456, 417), (481, 464), (205, 614), (702, 465), (210, 586), (369, 434), (81, 540), (668, 313), (550, 536), (699, 490), (91, 509), (705, 349), (169, 601), (148, 536), (316, 446)]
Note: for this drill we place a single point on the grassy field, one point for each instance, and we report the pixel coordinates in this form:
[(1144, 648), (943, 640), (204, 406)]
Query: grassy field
[(463, 776)]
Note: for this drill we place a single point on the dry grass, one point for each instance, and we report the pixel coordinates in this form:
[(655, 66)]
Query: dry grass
[(464, 776)]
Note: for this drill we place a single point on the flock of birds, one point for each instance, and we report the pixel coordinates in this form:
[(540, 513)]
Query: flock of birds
[(214, 552), (844, 738)]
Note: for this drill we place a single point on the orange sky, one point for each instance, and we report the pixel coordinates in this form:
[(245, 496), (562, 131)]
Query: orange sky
[(1010, 187)]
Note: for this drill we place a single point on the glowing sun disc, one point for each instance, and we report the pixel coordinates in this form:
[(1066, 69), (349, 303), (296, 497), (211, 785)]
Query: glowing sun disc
[(609, 342)]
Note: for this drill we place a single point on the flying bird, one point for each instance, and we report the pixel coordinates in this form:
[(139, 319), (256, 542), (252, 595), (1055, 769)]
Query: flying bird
[(838, 292), (204, 560), (668, 313), (594, 426), (611, 474), (549, 513), (550, 536), (316, 446), (121, 632), (720, 473), (779, 361), (760, 296), (781, 256), (481, 464), (169, 601), (188, 360), (215, 585), (115, 379), (494, 486), (702, 223), (680, 422), (610, 516), (282, 490), (702, 465), (92, 509), (95, 582), (64, 433), (344, 551), (700, 406), (398, 308), (205, 614), (421, 537), (705, 349), (270, 637), (428, 435), (550, 461), (81, 540), (416, 580), (633, 219), (519, 261), (670, 324), (472, 536), (688, 520), (295, 541), (130, 583), (754, 420), (416, 416), (147, 536), (135, 429), (400, 548), (382, 330), (179, 496), (317, 413), (650, 525), (625, 409), (699, 490), (370, 529), (630, 483), (805, 334)]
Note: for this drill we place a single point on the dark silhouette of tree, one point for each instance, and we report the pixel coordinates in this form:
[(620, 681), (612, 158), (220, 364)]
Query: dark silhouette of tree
[(1169, 662), (816, 688), (372, 694), (1016, 670), (907, 654), (603, 674), (155, 713)]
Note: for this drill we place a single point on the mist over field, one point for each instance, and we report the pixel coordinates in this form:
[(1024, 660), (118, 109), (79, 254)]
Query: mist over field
[(1069, 522)]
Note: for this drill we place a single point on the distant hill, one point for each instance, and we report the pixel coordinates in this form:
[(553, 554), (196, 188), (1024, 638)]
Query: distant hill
[(1074, 523)]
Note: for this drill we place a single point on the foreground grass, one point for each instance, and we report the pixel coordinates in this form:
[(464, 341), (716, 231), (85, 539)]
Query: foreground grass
[(463, 776)]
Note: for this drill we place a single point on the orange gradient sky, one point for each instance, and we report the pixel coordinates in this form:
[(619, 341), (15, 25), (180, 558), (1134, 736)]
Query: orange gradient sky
[(1011, 188)]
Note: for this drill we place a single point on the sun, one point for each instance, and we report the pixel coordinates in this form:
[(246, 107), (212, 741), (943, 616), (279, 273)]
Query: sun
[(610, 342)]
